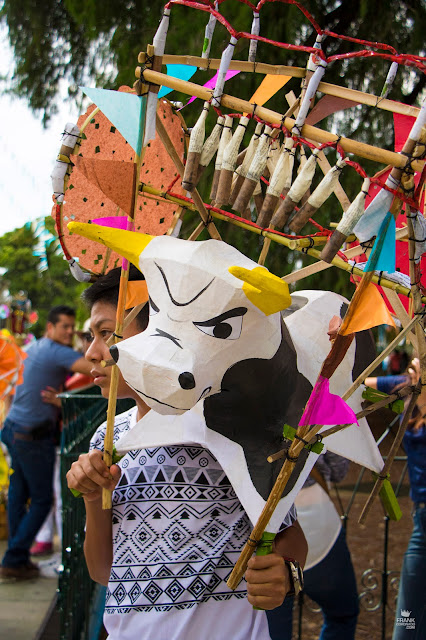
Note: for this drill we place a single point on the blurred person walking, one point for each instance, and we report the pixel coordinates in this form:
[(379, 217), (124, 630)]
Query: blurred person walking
[(29, 434)]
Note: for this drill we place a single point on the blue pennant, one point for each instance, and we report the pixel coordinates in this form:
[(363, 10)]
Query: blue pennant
[(125, 111), (382, 256), (181, 71)]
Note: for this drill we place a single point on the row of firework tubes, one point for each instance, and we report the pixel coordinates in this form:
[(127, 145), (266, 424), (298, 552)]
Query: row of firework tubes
[(237, 177)]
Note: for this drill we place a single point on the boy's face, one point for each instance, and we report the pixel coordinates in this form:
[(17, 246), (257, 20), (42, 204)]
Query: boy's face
[(102, 326)]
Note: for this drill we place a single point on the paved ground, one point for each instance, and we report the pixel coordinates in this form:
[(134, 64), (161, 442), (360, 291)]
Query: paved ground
[(366, 544), (24, 604)]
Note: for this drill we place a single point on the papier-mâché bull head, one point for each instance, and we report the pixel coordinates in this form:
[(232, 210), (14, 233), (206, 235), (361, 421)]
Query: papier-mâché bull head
[(210, 307)]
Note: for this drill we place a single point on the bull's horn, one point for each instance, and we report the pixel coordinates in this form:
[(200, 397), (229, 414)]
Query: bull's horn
[(267, 292), (128, 244)]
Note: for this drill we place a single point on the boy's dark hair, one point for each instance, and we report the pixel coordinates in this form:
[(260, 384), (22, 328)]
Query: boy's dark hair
[(60, 310), (106, 288)]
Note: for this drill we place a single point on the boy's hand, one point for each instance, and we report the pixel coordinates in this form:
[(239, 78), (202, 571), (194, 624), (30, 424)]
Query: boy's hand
[(89, 475), (268, 581)]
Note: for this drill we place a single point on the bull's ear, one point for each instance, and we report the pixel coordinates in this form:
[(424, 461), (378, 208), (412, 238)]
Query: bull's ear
[(128, 244), (266, 291)]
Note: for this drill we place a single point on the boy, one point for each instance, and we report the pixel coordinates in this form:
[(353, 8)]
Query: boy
[(176, 527)]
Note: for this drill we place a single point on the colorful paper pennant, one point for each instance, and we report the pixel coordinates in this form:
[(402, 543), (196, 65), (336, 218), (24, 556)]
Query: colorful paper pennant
[(124, 110), (210, 84), (327, 106), (371, 311), (402, 126), (326, 408), (181, 71), (114, 222), (268, 88), (137, 293), (115, 179), (382, 256)]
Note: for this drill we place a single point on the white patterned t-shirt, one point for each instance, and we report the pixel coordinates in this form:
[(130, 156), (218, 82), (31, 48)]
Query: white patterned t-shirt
[(178, 529)]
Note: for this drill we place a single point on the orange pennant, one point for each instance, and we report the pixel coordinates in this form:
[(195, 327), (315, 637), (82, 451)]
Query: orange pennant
[(137, 293), (115, 179), (268, 88), (370, 312)]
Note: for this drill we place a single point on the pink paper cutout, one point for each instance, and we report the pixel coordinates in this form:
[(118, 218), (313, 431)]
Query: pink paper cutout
[(326, 408), (212, 83), (115, 222)]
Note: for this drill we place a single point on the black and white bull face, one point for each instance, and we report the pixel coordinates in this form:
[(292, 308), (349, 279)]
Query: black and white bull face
[(201, 323)]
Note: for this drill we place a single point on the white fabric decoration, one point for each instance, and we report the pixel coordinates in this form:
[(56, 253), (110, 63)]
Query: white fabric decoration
[(327, 185), (281, 178), (159, 43), (211, 144), (225, 61), (354, 212), (255, 30), (230, 152), (304, 179)]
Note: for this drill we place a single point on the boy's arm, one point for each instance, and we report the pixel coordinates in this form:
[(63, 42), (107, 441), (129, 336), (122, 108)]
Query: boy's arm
[(268, 577), (89, 475), (98, 541)]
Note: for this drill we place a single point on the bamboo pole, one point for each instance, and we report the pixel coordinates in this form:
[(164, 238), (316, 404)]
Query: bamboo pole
[(341, 264), (390, 458), (164, 136), (354, 386), (127, 320), (296, 72), (267, 511), (401, 314), (292, 244), (361, 414), (308, 131), (119, 327), (320, 265)]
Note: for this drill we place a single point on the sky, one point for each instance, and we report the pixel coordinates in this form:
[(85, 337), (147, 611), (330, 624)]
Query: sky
[(27, 153)]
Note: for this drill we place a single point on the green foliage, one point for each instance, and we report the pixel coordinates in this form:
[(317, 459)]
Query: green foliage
[(46, 289), (94, 42), (90, 40)]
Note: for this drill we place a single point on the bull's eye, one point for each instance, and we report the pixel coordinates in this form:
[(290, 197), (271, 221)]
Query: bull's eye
[(227, 326), (153, 309)]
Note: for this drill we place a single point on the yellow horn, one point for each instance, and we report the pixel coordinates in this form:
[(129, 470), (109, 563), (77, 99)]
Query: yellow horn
[(267, 292), (128, 244)]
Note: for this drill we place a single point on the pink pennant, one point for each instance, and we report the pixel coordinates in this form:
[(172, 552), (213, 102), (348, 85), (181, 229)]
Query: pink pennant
[(212, 83), (115, 222), (326, 408)]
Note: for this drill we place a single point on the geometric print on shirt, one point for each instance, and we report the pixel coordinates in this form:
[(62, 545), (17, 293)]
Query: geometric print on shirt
[(178, 528)]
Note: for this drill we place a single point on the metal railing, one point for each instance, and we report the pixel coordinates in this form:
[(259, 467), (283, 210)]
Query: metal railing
[(82, 414)]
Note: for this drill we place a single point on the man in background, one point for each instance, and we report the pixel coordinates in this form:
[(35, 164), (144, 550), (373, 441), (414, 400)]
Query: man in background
[(29, 434)]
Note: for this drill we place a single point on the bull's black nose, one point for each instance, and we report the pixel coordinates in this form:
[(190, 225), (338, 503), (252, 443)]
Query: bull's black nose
[(114, 353), (186, 380)]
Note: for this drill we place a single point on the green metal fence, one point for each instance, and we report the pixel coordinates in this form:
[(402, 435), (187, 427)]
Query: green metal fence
[(77, 593)]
